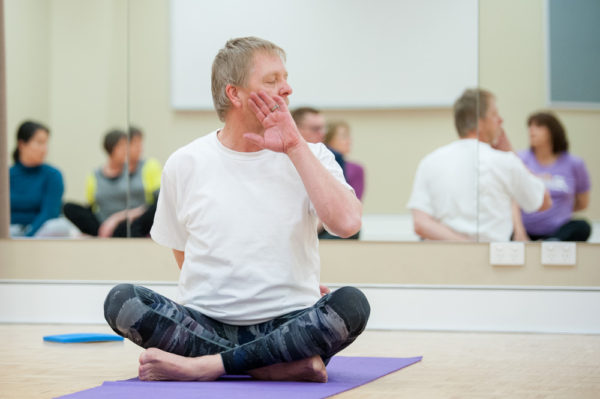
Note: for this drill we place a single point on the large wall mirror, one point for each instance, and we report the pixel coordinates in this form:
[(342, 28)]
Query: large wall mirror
[(85, 68), (67, 69), (519, 44), (370, 67)]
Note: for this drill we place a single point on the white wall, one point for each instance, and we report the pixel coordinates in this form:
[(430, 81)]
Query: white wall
[(392, 307)]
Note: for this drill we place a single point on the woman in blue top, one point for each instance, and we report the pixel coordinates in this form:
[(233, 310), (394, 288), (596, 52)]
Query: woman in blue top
[(36, 188)]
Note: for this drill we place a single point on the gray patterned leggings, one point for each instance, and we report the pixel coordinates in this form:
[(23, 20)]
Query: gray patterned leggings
[(151, 320)]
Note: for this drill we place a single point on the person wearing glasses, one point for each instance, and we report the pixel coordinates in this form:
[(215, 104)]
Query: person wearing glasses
[(311, 125)]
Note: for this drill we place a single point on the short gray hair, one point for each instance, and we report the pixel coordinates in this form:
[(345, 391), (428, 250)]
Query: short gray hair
[(471, 106), (232, 65)]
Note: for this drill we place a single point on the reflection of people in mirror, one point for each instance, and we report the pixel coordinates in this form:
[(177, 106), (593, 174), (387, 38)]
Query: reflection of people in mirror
[(239, 208), (36, 188), (565, 177), (338, 139), (310, 123), (116, 193), (312, 127), (464, 190)]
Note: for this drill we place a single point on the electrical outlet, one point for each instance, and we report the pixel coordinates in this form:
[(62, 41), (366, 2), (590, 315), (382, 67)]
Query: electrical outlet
[(507, 253), (558, 253)]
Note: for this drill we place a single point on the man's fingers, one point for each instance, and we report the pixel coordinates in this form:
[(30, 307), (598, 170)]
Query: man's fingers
[(256, 109), (268, 100), (267, 104), (261, 103), (324, 289), (281, 102)]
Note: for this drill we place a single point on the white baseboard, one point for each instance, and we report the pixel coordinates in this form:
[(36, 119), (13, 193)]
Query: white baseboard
[(436, 308)]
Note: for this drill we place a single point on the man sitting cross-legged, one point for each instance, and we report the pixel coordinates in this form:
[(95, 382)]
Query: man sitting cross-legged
[(240, 208)]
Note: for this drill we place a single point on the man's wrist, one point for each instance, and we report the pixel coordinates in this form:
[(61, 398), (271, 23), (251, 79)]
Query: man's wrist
[(296, 149)]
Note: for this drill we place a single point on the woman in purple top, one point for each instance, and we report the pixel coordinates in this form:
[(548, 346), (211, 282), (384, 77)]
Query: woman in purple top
[(566, 179), (338, 139)]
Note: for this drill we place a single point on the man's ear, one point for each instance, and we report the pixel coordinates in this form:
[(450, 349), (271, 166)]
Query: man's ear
[(233, 95)]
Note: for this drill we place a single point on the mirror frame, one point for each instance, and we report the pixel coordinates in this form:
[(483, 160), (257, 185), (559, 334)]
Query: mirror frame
[(4, 195)]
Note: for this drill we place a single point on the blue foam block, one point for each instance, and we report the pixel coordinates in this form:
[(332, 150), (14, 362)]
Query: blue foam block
[(82, 337)]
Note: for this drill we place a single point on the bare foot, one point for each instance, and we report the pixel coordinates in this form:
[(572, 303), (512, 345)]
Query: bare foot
[(309, 369), (156, 364)]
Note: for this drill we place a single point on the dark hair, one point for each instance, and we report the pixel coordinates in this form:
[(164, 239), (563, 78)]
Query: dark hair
[(558, 135), (135, 131), (25, 132), (299, 113), (112, 138)]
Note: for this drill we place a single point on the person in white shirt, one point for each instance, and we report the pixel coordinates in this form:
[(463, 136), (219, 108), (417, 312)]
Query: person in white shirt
[(239, 207), (464, 191)]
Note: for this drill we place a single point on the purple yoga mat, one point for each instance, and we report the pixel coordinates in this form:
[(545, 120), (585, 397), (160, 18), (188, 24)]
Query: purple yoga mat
[(345, 373)]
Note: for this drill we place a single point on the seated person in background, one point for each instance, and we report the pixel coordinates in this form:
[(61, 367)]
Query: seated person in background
[(464, 190), (114, 198), (311, 125), (36, 188), (239, 211), (565, 176), (338, 139), (150, 171)]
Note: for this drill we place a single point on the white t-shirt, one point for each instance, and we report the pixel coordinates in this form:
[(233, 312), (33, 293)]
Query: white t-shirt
[(467, 177), (248, 229)]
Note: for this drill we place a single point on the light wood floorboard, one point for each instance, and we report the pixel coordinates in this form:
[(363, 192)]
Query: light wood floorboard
[(455, 365)]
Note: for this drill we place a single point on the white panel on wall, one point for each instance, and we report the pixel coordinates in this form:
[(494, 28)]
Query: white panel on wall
[(393, 307), (340, 53)]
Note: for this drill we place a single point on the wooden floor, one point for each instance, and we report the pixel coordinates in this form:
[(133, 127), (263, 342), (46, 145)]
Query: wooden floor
[(455, 365)]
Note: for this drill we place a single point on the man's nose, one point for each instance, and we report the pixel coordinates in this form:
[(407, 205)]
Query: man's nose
[(285, 90)]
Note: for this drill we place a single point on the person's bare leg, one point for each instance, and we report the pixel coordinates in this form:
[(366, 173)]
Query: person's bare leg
[(156, 364), (309, 369)]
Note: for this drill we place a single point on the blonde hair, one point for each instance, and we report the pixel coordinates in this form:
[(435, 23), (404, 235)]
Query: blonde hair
[(471, 106), (232, 66), (332, 130)]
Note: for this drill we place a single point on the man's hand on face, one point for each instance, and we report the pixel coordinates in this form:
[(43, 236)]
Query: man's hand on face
[(502, 142), (281, 133)]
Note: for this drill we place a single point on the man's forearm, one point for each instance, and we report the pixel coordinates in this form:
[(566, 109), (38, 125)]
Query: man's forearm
[(443, 232), (430, 229), (519, 232), (337, 207)]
